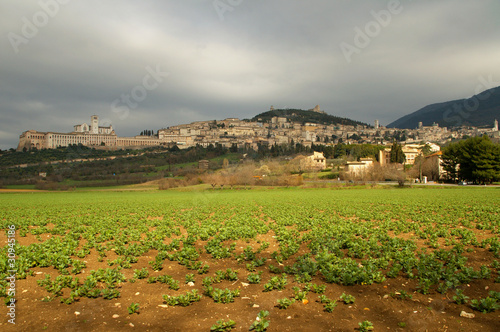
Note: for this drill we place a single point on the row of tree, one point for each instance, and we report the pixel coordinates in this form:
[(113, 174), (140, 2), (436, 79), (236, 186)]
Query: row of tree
[(476, 159), (340, 150), (149, 133)]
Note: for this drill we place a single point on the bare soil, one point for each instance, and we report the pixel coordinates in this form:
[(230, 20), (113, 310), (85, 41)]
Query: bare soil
[(433, 312)]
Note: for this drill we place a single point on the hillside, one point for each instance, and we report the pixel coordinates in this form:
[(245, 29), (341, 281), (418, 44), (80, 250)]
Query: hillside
[(302, 116), (479, 110)]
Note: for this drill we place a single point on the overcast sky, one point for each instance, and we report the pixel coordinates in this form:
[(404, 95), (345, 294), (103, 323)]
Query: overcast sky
[(151, 64)]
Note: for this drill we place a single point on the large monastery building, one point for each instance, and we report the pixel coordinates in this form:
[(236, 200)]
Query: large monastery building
[(88, 135)]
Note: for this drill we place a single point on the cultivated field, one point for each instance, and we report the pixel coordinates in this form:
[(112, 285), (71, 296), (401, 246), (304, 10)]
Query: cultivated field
[(311, 259)]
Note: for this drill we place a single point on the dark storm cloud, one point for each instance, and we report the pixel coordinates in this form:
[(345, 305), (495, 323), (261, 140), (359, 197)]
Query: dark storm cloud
[(235, 61)]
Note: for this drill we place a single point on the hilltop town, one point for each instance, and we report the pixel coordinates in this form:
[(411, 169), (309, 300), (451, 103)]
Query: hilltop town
[(250, 134)]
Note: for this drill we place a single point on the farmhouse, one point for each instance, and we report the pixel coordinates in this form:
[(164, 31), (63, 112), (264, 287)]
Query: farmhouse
[(359, 168), (316, 161), (433, 167), (411, 151)]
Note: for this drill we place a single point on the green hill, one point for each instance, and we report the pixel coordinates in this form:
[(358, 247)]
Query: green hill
[(478, 111), (302, 116)]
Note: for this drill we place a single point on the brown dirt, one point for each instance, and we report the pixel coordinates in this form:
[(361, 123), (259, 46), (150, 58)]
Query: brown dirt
[(433, 312)]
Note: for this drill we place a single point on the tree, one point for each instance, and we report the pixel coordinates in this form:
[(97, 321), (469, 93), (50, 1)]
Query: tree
[(430, 168), (419, 162), (450, 161), (397, 154), (426, 150), (340, 150), (245, 173), (480, 160), (355, 137), (477, 160), (421, 159)]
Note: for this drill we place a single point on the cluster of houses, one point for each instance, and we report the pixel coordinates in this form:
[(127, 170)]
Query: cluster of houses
[(245, 134), (432, 161), (233, 132), (359, 169)]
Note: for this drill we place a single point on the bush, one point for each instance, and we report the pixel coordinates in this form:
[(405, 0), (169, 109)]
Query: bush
[(223, 326), (133, 308), (261, 323), (285, 303), (330, 176), (365, 326), (488, 304)]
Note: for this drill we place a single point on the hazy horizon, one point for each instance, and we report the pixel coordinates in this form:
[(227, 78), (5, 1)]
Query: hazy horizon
[(154, 64)]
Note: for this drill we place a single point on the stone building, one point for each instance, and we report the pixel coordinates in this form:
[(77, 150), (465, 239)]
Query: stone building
[(411, 151), (433, 166), (359, 168), (314, 162), (91, 135)]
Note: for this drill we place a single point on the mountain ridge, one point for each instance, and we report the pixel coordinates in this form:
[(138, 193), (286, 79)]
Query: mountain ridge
[(479, 110)]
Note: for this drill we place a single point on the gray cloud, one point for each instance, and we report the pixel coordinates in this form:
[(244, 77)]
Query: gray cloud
[(282, 53)]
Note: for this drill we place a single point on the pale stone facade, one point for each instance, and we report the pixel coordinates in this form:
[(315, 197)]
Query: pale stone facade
[(83, 134), (314, 162), (247, 134), (359, 168), (433, 166), (33, 139), (411, 151)]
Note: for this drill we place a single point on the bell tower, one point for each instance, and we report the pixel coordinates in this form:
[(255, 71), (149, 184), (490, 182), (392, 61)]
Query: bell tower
[(94, 124)]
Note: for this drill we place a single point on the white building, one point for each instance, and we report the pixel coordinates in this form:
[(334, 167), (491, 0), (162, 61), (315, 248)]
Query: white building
[(359, 168), (83, 134), (411, 151), (94, 128)]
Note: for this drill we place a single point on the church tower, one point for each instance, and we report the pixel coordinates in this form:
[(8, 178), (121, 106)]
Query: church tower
[(94, 124), (495, 125)]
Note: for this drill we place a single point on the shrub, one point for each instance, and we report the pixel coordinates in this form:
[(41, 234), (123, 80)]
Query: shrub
[(347, 298), (254, 278), (222, 326), (285, 302), (488, 304), (133, 308), (460, 297), (183, 300), (141, 274), (222, 295), (261, 323), (330, 306), (365, 326)]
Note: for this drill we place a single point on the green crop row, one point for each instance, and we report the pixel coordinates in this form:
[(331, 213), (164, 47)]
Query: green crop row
[(346, 237)]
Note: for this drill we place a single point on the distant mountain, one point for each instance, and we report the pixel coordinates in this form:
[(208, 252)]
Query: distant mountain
[(303, 116), (478, 111)]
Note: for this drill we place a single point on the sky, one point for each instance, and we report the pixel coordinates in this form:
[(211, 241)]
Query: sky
[(152, 64)]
